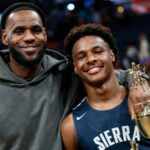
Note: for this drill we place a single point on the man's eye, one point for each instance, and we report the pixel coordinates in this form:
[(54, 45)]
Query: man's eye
[(18, 31), (98, 52), (79, 57), (37, 30)]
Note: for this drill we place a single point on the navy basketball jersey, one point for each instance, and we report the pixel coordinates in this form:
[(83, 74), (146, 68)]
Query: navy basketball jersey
[(111, 129)]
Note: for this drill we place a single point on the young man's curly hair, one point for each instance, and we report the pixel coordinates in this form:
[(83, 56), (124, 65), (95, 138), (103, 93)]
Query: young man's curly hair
[(89, 29)]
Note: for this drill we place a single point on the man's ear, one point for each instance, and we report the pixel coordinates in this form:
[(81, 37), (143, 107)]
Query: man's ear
[(4, 37), (75, 69), (45, 33), (112, 55)]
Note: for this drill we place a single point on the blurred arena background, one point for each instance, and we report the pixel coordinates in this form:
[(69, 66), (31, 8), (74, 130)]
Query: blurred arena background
[(129, 21)]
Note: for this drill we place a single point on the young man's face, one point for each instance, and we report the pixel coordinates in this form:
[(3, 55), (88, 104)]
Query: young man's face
[(93, 59), (25, 36)]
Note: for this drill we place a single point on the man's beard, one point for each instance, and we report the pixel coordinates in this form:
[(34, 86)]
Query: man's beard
[(22, 60)]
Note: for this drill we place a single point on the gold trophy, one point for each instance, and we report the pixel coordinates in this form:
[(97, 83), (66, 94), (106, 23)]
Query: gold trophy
[(137, 77), (134, 145)]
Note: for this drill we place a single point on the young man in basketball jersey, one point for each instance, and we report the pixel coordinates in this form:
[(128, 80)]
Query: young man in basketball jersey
[(101, 121)]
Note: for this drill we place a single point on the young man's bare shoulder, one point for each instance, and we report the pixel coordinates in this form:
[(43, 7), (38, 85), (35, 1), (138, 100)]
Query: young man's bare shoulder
[(69, 134), (67, 123)]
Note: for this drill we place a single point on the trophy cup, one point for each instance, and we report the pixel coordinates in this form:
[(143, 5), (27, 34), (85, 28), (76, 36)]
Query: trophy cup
[(142, 108)]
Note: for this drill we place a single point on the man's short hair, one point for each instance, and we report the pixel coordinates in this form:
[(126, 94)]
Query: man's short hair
[(21, 6), (78, 32)]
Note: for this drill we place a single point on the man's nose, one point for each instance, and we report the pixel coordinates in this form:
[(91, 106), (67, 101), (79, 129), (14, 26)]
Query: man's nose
[(29, 36), (91, 58)]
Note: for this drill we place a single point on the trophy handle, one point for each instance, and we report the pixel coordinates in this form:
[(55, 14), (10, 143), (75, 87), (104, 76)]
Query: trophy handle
[(140, 127)]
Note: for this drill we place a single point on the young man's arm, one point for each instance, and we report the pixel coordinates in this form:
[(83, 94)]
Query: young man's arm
[(69, 133)]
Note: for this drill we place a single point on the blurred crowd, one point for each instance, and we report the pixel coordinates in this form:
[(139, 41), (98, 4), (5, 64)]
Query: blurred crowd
[(131, 30), (138, 52)]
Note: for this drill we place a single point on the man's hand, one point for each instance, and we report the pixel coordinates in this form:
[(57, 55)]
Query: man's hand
[(136, 95)]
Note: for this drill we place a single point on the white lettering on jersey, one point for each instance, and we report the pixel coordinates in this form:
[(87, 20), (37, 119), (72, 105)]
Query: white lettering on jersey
[(117, 135), (100, 144), (109, 137), (104, 140), (114, 136), (136, 134), (126, 133)]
